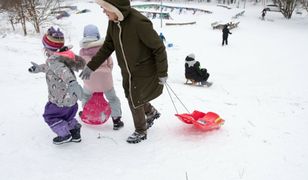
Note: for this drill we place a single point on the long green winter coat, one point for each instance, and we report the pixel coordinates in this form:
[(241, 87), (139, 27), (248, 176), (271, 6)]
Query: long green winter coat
[(140, 53)]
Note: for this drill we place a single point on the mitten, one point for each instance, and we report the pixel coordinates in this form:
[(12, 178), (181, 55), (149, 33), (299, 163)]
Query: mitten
[(86, 73), (162, 80), (34, 68)]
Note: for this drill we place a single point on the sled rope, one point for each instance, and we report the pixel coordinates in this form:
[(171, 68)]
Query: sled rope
[(171, 99), (169, 88)]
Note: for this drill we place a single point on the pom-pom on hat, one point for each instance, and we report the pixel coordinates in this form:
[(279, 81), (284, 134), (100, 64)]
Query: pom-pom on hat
[(53, 39)]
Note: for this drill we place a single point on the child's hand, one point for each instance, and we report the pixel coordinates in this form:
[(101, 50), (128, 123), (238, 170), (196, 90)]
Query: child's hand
[(86, 73), (34, 68)]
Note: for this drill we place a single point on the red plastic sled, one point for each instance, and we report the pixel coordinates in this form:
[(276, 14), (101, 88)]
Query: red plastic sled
[(203, 121), (93, 109)]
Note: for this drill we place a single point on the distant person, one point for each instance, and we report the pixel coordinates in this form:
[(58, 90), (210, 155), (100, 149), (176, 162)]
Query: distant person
[(63, 88), (225, 34), (263, 14), (162, 37), (194, 72), (142, 58), (100, 80)]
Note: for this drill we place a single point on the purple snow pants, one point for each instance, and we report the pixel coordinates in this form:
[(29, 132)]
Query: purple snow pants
[(60, 119)]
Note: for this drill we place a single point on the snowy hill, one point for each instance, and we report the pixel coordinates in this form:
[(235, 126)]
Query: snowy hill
[(259, 89)]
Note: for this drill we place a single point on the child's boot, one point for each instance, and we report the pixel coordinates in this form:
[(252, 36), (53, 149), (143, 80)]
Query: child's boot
[(206, 83), (117, 123), (80, 113), (60, 140), (76, 133)]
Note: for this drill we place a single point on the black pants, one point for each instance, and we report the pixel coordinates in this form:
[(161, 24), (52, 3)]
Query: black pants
[(204, 74), (225, 40)]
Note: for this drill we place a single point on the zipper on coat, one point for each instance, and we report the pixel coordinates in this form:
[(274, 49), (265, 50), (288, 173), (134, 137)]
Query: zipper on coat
[(127, 68)]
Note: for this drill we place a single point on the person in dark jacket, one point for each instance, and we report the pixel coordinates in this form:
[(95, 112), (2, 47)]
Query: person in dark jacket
[(141, 56), (194, 73), (263, 14), (225, 34), (162, 37)]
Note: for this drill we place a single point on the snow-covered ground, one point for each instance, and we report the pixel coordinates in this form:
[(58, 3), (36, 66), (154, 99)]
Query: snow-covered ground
[(259, 89)]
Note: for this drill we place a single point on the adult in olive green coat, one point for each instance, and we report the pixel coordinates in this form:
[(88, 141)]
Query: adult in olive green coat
[(141, 56)]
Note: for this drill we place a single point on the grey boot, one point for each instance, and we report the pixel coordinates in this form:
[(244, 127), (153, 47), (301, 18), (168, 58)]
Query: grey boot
[(136, 137), (151, 116)]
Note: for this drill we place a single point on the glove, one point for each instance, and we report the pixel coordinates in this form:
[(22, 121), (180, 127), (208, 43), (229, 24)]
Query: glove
[(75, 89), (34, 68), (85, 73), (162, 80)]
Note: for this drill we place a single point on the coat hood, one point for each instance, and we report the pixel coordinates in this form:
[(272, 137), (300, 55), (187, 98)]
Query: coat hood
[(71, 60), (119, 7), (91, 44)]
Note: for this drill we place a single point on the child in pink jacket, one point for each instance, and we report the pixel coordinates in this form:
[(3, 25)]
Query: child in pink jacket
[(100, 80)]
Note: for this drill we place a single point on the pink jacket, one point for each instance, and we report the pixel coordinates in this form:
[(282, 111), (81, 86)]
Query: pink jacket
[(101, 79)]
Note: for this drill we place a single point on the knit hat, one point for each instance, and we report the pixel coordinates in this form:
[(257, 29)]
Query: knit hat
[(190, 57), (53, 39), (90, 33)]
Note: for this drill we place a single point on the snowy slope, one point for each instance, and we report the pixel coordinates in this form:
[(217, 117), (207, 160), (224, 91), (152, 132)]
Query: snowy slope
[(260, 89)]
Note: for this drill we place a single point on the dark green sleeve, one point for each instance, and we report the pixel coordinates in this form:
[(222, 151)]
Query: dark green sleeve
[(103, 53), (151, 39)]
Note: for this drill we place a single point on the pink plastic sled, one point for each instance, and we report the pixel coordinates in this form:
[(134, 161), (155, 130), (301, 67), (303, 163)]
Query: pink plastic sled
[(93, 109), (203, 121)]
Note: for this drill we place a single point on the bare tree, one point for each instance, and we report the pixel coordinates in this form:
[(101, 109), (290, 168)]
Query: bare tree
[(39, 11), (287, 7), (304, 4), (36, 12), (15, 12)]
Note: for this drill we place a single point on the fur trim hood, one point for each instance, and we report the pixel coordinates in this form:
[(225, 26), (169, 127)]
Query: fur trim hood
[(76, 64), (119, 7), (91, 44)]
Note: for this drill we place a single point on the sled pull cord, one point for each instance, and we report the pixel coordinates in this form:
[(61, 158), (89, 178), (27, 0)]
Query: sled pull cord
[(169, 88)]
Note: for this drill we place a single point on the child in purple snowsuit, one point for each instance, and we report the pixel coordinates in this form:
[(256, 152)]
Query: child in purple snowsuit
[(63, 89)]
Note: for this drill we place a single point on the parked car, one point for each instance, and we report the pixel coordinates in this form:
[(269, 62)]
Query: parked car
[(272, 7)]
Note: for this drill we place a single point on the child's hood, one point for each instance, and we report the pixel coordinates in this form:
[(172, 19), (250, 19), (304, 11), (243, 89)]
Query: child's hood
[(71, 60), (91, 44)]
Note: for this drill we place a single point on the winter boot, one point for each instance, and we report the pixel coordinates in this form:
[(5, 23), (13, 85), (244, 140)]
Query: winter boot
[(136, 137), (80, 113), (206, 83), (76, 133), (117, 123), (60, 140), (151, 116)]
